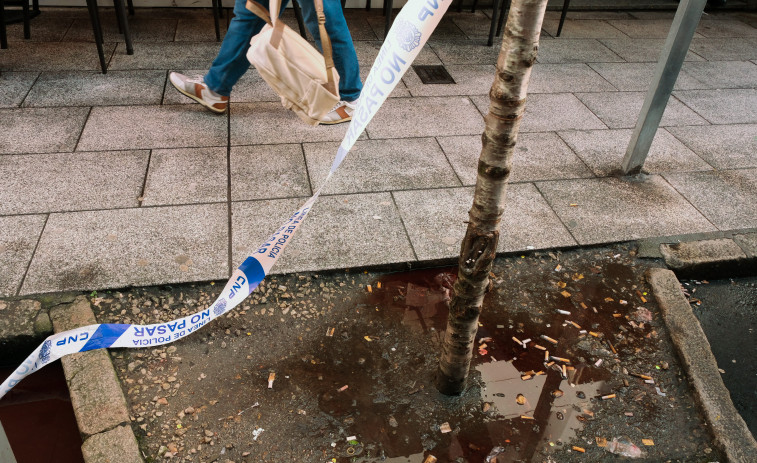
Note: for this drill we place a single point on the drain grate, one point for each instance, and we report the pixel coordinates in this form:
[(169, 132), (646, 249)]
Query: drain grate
[(433, 74)]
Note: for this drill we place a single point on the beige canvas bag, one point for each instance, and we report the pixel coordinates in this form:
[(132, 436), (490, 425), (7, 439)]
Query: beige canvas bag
[(305, 80)]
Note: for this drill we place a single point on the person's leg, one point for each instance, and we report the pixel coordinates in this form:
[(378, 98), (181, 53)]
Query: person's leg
[(231, 62), (345, 58)]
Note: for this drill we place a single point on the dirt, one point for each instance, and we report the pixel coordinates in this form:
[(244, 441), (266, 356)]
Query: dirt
[(354, 356)]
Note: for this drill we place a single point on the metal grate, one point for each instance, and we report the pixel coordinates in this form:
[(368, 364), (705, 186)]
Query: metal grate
[(433, 74)]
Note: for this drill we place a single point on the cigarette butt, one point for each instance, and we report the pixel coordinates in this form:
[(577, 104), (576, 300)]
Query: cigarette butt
[(483, 346), (559, 359), (525, 342), (547, 338), (378, 285), (546, 355), (558, 268), (643, 299), (598, 363), (564, 372), (526, 377), (649, 381), (579, 449), (573, 204), (647, 442), (570, 368), (564, 312), (526, 417), (549, 364), (330, 332), (617, 315), (608, 396), (430, 459), (565, 293), (540, 372), (517, 341), (343, 388), (369, 288), (271, 378), (601, 442), (575, 324), (612, 347), (445, 428), (609, 299), (641, 376), (540, 347), (368, 338), (583, 306), (594, 333)]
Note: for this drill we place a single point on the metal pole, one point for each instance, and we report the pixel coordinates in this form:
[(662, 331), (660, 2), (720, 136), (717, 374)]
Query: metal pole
[(673, 52), (6, 454)]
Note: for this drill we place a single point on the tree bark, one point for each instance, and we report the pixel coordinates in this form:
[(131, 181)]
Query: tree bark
[(507, 104)]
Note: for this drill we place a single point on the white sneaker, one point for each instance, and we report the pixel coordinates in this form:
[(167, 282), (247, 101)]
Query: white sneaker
[(342, 112), (196, 89)]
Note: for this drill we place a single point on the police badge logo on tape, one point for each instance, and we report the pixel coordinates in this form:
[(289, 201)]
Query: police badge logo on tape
[(220, 307), (44, 353), (408, 36)]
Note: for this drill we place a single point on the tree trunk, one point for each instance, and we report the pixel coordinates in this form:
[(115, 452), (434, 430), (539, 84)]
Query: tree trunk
[(508, 101)]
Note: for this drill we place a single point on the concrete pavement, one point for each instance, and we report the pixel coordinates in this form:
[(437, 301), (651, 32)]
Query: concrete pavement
[(116, 180)]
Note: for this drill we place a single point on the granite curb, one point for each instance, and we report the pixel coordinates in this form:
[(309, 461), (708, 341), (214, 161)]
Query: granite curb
[(96, 395), (712, 257), (730, 431)]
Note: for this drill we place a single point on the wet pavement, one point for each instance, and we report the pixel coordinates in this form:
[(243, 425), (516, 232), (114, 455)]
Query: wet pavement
[(727, 311), (571, 353)]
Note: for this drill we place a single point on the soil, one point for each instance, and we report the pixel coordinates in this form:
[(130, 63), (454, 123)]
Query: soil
[(353, 356)]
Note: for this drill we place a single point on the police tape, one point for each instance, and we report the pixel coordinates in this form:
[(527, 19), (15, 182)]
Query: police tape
[(410, 31)]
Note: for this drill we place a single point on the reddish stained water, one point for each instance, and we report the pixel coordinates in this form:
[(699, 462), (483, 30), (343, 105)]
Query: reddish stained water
[(39, 420)]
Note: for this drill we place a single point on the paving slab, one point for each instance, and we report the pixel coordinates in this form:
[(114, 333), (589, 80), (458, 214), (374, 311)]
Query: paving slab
[(261, 123), (622, 209), (473, 79), (748, 243), (727, 197), (542, 156), (186, 176), (36, 183), (77, 88), (146, 127), (341, 231), (435, 220), (40, 130), (726, 28), (165, 55), (130, 247), (429, 117), (722, 74), (641, 50), (575, 51), (269, 171), (549, 112), (621, 109), (142, 28), (645, 28), (722, 146), (359, 24), (581, 29), (198, 29), (381, 165), (629, 77), (725, 49), (464, 52), (18, 238), (53, 56), (588, 14), (722, 106), (44, 28), (367, 51), (603, 151), (470, 23), (566, 77), (14, 86)]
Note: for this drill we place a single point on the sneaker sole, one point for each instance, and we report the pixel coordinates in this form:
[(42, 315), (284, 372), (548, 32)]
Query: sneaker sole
[(199, 100), (334, 122)]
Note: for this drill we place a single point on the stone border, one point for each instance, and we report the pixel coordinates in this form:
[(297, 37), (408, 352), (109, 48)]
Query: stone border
[(713, 257), (96, 395), (731, 433)]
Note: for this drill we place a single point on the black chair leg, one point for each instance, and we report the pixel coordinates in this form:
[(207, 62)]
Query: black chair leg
[(216, 24), (502, 18), (368, 4), (3, 33), (130, 4), (123, 24), (388, 11), (300, 21), (493, 25), (565, 5), (94, 17), (473, 7)]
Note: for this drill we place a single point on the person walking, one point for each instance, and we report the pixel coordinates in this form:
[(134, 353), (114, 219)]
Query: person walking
[(213, 89)]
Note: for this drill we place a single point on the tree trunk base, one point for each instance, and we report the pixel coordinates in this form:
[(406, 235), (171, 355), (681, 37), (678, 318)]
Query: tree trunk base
[(448, 385)]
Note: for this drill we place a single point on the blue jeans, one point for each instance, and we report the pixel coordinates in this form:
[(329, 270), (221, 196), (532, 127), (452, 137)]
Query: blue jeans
[(231, 62)]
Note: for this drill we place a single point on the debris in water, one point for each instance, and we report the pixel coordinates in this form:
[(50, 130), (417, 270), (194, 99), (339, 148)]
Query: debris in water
[(608, 396), (256, 433), (547, 338), (557, 393), (445, 428), (430, 459), (343, 388), (647, 442), (624, 447), (521, 399), (496, 451), (579, 449), (271, 378)]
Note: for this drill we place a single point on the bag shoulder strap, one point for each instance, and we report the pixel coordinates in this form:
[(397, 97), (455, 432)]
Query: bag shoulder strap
[(259, 11), (326, 45)]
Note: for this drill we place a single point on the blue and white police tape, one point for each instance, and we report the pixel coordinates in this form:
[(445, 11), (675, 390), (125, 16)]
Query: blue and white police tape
[(410, 31)]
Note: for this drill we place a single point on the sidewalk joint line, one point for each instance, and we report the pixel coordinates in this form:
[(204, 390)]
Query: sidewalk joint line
[(562, 222), (436, 139), (307, 170), (141, 198), (81, 132), (228, 190), (21, 103), (404, 227), (31, 259)]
